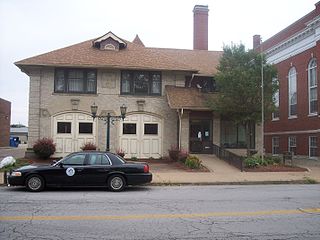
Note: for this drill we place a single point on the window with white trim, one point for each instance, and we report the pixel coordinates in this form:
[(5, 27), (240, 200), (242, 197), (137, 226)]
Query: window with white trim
[(292, 144), (276, 101), (312, 83), (292, 82), (313, 147), (275, 145)]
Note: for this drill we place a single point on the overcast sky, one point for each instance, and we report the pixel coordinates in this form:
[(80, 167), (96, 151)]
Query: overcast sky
[(32, 27)]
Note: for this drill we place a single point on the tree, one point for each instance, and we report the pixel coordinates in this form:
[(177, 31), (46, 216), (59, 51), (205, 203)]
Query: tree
[(239, 83)]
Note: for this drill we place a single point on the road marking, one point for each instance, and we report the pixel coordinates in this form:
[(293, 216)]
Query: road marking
[(160, 216)]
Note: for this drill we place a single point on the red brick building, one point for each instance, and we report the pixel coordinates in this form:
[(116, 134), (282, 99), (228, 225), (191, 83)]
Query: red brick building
[(5, 115), (295, 51)]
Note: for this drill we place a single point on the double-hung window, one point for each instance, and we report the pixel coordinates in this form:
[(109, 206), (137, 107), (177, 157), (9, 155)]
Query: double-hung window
[(275, 145), (292, 144), (313, 146), (312, 83), (75, 81), (140, 83), (292, 80)]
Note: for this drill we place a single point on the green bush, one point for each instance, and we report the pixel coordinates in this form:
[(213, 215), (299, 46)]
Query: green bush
[(256, 161), (251, 162), (44, 148), (193, 162)]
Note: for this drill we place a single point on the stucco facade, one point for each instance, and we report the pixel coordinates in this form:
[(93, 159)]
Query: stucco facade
[(44, 105)]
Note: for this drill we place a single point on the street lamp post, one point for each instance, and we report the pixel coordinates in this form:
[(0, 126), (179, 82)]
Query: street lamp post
[(108, 119), (262, 105)]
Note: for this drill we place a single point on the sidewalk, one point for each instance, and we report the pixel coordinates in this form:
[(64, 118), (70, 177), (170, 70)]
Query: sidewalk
[(223, 173)]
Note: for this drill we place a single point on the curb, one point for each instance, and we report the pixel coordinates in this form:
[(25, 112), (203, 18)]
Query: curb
[(232, 183)]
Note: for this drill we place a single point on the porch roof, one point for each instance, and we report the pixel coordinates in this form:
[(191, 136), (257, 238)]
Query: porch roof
[(187, 98)]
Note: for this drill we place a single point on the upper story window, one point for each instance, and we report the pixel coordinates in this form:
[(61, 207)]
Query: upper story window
[(292, 80), (75, 81), (312, 82), (140, 83), (276, 101)]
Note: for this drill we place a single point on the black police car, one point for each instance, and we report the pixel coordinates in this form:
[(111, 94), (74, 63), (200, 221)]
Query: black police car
[(82, 169)]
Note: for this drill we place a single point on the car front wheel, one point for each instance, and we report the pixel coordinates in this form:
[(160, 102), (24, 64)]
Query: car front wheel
[(35, 183), (116, 183)]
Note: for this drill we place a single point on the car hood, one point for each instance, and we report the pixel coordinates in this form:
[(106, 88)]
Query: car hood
[(33, 166)]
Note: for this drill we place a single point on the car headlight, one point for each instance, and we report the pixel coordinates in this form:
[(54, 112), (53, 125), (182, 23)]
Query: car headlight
[(16, 174)]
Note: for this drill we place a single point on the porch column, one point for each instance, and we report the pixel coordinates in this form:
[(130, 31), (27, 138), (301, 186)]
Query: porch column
[(185, 131), (34, 106)]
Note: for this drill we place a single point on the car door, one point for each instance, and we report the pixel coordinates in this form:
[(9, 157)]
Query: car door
[(96, 169), (71, 170)]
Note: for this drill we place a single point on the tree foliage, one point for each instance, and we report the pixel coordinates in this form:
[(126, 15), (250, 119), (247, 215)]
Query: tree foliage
[(239, 83)]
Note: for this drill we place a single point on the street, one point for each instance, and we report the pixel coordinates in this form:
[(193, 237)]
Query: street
[(173, 212)]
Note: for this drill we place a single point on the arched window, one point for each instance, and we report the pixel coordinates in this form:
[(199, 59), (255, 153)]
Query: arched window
[(312, 83), (292, 80)]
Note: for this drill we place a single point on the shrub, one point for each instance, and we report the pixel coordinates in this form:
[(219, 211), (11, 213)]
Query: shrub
[(88, 146), (183, 156), (134, 159), (174, 153), (251, 162), (44, 148), (193, 162), (121, 153)]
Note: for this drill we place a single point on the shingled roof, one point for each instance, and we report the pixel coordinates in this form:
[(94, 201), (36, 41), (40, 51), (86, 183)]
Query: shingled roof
[(187, 98), (134, 56)]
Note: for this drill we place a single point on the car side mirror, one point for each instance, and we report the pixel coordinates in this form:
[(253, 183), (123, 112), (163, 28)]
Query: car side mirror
[(54, 162)]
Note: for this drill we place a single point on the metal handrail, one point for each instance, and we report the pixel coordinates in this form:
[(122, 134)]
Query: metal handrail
[(228, 156)]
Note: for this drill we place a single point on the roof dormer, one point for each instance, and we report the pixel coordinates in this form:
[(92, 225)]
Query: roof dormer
[(109, 41)]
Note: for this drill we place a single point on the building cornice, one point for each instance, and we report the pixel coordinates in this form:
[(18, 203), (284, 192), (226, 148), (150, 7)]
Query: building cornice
[(295, 44)]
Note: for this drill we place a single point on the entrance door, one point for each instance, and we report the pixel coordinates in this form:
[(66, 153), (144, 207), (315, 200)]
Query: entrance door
[(71, 131), (201, 136), (141, 136)]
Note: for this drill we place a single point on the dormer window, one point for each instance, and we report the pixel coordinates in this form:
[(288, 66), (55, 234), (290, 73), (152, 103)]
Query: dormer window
[(109, 42), (109, 46)]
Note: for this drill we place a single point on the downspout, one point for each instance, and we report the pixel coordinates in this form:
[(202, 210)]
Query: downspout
[(193, 75), (180, 113)]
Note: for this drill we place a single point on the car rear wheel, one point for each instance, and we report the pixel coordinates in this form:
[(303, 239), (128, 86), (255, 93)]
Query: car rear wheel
[(35, 183), (116, 183)]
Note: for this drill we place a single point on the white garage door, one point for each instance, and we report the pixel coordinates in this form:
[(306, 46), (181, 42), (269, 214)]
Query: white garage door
[(71, 131), (141, 136)]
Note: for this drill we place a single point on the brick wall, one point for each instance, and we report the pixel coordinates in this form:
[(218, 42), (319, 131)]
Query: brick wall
[(5, 117), (304, 125)]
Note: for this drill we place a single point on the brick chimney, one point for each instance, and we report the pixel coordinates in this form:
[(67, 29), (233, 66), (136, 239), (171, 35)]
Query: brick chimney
[(200, 27), (256, 41)]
